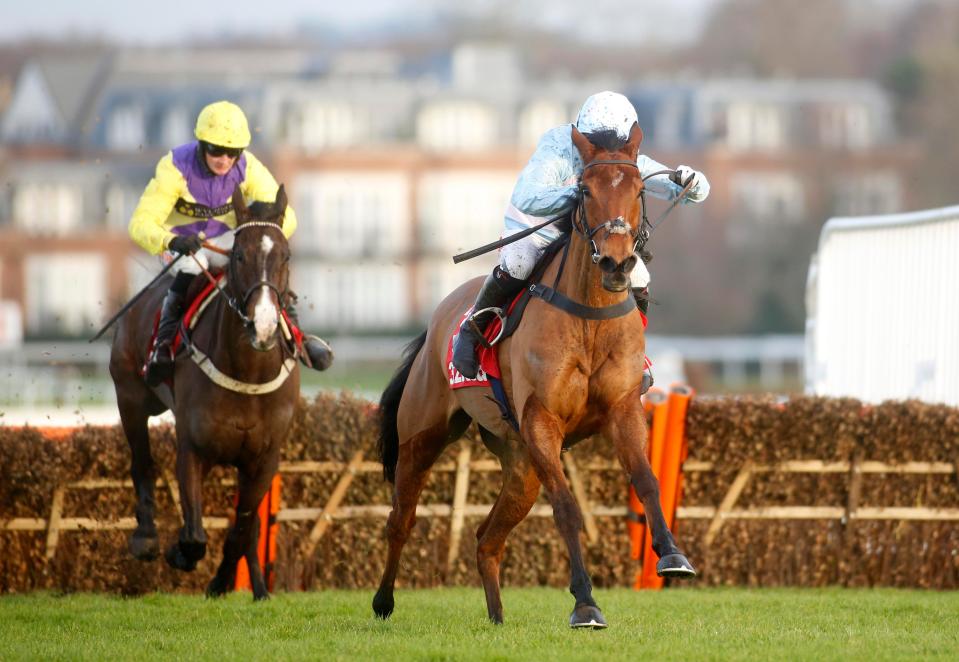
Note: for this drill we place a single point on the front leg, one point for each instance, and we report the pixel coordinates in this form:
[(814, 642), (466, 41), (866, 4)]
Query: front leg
[(626, 428), (191, 546), (241, 539), (543, 433)]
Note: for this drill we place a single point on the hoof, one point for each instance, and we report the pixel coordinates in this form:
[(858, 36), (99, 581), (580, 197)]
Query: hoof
[(176, 558), (145, 547), (258, 595), (676, 566), (382, 605), (587, 616), (217, 588)]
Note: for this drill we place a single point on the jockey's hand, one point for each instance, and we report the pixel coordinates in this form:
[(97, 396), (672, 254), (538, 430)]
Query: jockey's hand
[(186, 244), (684, 175)]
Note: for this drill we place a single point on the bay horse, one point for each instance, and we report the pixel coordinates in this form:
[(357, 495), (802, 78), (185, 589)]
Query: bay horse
[(566, 378), (216, 425)]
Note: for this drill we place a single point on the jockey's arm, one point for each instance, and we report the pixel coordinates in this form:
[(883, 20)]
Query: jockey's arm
[(548, 185), (661, 186), (147, 225), (259, 185)]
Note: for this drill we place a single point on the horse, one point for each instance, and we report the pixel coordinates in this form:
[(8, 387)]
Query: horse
[(241, 423), (566, 378)]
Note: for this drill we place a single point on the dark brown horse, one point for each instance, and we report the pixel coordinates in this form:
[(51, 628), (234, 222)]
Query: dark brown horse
[(566, 377), (216, 424)]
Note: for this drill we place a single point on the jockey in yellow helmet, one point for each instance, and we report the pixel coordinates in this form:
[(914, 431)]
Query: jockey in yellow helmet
[(191, 193)]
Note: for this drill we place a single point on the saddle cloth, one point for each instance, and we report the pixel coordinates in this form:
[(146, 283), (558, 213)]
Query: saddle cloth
[(198, 304)]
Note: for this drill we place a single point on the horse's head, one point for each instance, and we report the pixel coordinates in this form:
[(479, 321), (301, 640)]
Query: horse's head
[(259, 269), (610, 209)]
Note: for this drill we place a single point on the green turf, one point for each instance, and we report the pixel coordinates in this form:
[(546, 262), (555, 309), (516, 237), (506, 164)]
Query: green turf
[(450, 624)]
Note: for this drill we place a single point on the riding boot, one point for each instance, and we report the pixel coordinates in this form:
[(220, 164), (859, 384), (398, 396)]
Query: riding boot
[(160, 367), (496, 293), (317, 350), (641, 295)]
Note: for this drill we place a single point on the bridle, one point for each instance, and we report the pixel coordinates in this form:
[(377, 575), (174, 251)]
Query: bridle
[(613, 226), (239, 304)]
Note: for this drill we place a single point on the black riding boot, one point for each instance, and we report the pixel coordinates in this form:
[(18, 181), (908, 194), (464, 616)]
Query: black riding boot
[(496, 292), (641, 294), (317, 349), (160, 367)]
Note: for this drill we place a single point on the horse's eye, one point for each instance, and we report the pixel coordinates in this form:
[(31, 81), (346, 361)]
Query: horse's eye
[(286, 258), (585, 191), (239, 257)]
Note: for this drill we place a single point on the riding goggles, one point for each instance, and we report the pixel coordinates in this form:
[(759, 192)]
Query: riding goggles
[(218, 150)]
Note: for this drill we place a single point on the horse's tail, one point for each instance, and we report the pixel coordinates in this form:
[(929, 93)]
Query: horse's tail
[(389, 438)]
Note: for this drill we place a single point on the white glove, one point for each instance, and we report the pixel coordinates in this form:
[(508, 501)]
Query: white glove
[(684, 174)]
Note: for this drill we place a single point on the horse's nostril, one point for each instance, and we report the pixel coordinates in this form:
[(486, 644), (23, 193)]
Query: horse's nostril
[(629, 263), (607, 264)]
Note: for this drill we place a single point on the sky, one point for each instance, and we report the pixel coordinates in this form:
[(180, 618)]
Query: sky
[(133, 22)]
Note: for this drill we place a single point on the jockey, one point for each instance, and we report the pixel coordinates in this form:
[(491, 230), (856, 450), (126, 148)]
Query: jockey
[(191, 193), (549, 187)]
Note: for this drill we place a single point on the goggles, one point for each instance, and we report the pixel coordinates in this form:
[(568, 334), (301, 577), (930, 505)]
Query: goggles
[(217, 150)]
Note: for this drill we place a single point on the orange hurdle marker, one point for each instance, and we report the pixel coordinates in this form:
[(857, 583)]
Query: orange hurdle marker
[(668, 451), (266, 543)]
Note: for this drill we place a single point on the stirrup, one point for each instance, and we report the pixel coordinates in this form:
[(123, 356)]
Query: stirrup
[(488, 344)]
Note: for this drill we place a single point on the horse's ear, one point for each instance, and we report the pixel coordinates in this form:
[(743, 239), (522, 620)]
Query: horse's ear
[(239, 206), (279, 205), (635, 140), (586, 148)]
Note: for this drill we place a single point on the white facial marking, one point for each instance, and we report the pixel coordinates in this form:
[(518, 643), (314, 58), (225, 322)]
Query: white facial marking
[(616, 180), (265, 316)]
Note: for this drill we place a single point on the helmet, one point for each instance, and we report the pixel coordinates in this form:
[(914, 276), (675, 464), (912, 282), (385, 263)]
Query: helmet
[(224, 124), (605, 111)]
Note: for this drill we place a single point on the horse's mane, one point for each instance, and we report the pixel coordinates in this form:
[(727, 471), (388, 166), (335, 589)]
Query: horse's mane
[(264, 211), (607, 140)]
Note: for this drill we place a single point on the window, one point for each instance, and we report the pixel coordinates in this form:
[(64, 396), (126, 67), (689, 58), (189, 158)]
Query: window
[(318, 125), (753, 126), (456, 125), (768, 197), (126, 128), (343, 297), (870, 193), (354, 214), (119, 203), (539, 117), (462, 210), (65, 293), (47, 208)]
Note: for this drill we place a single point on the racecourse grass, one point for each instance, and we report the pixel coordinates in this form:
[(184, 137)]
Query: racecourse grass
[(443, 624)]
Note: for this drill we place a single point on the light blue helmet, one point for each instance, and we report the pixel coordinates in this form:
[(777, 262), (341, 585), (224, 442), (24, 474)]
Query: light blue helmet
[(606, 111)]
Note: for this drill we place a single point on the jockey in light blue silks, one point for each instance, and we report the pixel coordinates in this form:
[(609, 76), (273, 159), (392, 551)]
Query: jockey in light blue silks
[(548, 187)]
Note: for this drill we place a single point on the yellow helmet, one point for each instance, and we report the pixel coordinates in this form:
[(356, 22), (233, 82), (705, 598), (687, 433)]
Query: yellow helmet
[(224, 124)]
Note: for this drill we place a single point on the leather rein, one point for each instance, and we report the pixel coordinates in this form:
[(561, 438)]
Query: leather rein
[(613, 226)]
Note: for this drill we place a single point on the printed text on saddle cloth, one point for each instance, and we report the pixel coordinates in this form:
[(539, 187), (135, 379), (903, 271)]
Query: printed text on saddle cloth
[(488, 359)]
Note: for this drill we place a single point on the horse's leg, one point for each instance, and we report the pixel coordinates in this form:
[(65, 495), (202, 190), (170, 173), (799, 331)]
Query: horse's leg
[(544, 435), (191, 546), (241, 539), (416, 458), (517, 495), (626, 429), (144, 543)]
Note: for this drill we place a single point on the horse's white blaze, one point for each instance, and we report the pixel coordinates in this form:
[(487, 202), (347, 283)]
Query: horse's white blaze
[(265, 316), (617, 178)]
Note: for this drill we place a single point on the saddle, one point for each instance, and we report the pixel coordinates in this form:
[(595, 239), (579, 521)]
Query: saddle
[(200, 295)]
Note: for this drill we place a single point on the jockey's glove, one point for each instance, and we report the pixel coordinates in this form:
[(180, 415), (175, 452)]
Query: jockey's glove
[(684, 175), (185, 244)]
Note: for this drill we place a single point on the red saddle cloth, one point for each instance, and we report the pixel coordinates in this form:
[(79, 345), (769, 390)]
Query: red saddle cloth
[(488, 356), (191, 312)]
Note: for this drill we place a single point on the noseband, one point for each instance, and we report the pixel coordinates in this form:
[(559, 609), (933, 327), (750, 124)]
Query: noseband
[(239, 305), (613, 226)]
